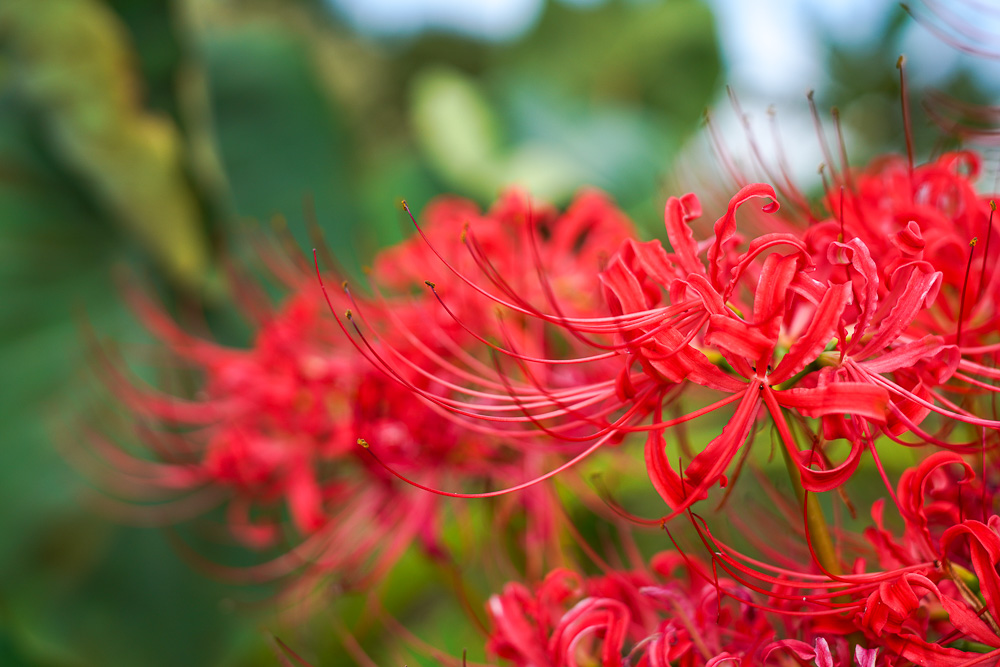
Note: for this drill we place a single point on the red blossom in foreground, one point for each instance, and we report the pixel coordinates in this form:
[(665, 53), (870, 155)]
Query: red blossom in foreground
[(840, 331), (678, 612), (934, 604), (671, 614), (542, 337), (826, 322)]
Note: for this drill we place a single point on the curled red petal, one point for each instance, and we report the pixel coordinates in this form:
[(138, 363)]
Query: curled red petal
[(725, 227), (677, 214), (913, 486), (831, 478), (907, 300), (984, 545), (765, 242), (856, 254)]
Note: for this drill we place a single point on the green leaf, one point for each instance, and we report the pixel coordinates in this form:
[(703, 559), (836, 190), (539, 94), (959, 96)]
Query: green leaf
[(280, 139)]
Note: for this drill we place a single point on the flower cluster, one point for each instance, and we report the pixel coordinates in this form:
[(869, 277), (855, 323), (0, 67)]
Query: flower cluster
[(272, 431), (673, 612), (875, 323), (871, 321), (494, 350)]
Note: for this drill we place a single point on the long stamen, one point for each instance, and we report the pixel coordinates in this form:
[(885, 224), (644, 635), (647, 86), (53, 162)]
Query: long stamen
[(511, 353), (369, 352), (571, 325), (842, 236), (821, 135), (965, 286), (896, 389), (905, 103), (725, 158), (555, 400), (752, 142), (844, 164), (491, 494), (461, 275), (546, 284), (986, 250), (584, 395), (603, 430)]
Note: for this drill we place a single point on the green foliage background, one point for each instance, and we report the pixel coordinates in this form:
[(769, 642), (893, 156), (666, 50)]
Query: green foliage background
[(146, 132)]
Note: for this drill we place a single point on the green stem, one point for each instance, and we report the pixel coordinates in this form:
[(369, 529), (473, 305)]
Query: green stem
[(819, 532)]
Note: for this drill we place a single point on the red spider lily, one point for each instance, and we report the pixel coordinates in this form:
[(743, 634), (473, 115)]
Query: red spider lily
[(273, 428), (844, 317), (674, 613), (666, 343), (927, 215), (916, 223), (788, 305), (560, 267), (912, 219), (671, 614)]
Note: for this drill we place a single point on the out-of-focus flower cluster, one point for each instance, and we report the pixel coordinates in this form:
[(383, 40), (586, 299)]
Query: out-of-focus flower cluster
[(493, 351), (271, 432)]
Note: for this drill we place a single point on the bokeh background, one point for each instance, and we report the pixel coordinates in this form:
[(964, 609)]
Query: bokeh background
[(147, 133)]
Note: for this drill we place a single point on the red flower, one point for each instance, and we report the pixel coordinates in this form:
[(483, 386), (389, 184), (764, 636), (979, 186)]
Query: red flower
[(274, 428), (670, 615)]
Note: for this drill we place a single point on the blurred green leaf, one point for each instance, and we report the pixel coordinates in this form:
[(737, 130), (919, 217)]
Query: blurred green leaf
[(139, 606), (601, 97), (279, 138), (73, 61), (457, 129), (662, 56), (73, 590)]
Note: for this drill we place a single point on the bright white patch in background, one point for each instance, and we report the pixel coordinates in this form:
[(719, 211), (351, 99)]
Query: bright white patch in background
[(773, 49), (487, 19), (768, 46)]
